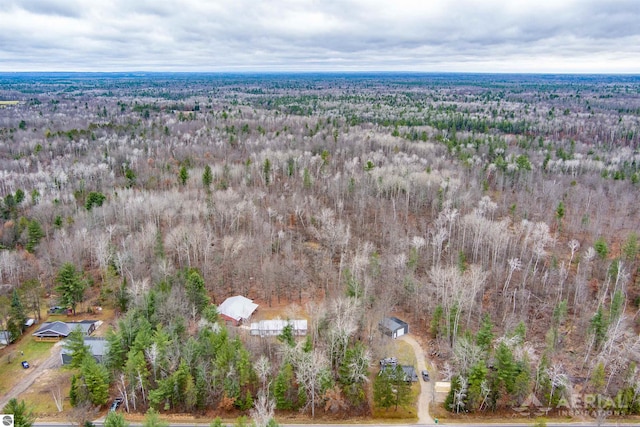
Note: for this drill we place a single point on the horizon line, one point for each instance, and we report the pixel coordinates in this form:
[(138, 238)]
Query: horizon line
[(258, 71)]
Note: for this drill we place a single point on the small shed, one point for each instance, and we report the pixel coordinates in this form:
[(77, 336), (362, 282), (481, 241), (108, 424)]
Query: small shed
[(5, 338), (410, 374), (441, 390), (237, 309), (272, 328), (442, 386), (393, 327)]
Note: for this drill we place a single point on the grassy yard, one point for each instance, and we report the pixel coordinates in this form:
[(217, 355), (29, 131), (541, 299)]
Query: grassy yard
[(408, 413), (405, 354), (40, 398), (26, 348), (11, 371), (396, 348)]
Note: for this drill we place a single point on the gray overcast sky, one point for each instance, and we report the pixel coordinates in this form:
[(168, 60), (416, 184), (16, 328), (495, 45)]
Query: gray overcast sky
[(590, 36)]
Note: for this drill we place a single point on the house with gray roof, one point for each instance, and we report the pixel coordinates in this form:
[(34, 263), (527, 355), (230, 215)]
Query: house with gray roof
[(393, 327), (55, 331), (408, 372), (97, 348)]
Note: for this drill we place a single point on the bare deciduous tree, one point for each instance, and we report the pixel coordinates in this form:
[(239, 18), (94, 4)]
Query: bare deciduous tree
[(263, 409), (56, 393)]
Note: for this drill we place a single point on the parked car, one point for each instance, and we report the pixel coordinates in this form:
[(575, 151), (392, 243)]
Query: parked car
[(25, 364), (56, 309), (425, 375), (116, 403)]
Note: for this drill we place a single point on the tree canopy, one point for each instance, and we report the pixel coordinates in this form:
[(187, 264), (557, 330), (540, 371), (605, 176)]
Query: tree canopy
[(71, 285)]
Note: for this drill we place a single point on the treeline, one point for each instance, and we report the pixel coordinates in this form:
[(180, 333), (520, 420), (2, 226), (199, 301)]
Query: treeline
[(171, 352), (506, 372)]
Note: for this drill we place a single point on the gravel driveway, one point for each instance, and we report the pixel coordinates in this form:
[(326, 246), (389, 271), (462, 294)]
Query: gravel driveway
[(426, 387)]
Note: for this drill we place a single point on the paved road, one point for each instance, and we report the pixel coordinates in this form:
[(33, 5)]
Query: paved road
[(505, 424), (426, 391), (34, 372)]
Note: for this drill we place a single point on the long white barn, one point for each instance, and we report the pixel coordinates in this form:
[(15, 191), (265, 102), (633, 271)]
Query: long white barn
[(271, 328)]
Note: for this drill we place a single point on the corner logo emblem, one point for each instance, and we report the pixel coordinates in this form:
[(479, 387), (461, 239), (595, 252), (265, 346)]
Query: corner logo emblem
[(531, 406), (7, 420)]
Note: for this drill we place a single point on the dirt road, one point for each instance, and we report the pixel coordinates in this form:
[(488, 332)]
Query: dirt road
[(35, 371), (426, 390)]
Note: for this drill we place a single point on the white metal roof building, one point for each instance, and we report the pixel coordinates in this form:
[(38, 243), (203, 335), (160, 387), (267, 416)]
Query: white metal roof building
[(270, 328), (237, 309)]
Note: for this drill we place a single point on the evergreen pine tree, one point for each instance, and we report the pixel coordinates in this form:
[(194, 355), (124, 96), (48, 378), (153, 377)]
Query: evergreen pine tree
[(115, 419), (183, 176), (96, 379), (283, 387), (207, 177), (34, 234), (74, 344), (22, 415), (15, 324), (484, 337)]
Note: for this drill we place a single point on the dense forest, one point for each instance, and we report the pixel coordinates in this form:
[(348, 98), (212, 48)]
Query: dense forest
[(497, 213)]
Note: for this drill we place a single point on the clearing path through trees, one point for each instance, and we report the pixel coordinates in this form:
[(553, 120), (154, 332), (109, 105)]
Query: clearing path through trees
[(426, 387)]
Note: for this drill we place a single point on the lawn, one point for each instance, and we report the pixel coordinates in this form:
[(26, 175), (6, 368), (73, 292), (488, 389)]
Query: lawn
[(406, 356), (408, 413), (26, 348), (39, 396), (396, 348), (35, 352)]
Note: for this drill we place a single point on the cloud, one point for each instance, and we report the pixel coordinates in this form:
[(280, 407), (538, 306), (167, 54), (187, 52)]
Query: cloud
[(70, 9), (218, 35)]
